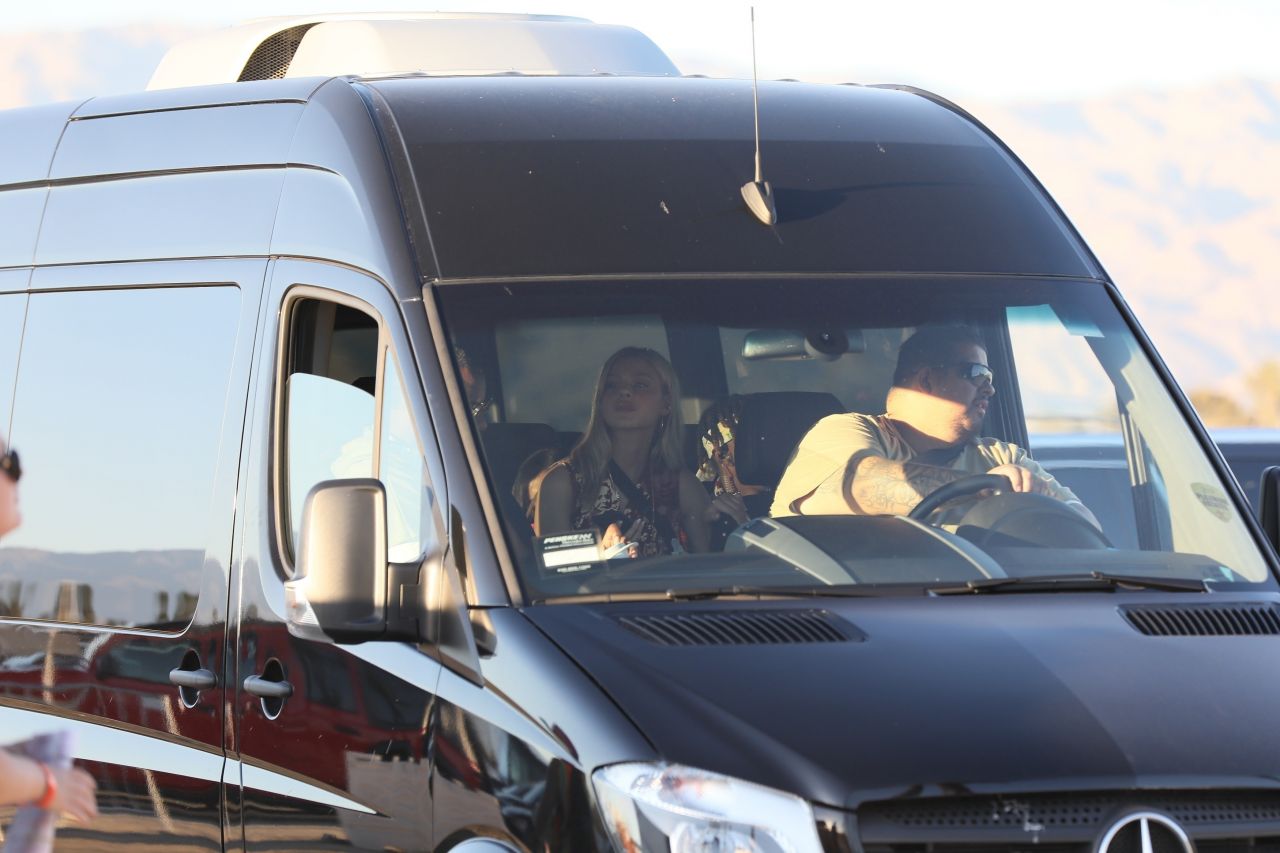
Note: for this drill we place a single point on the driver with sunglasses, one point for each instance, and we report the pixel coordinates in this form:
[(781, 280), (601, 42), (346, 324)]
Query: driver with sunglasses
[(927, 437)]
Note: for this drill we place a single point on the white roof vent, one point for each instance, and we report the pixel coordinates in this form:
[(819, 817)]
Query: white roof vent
[(391, 43)]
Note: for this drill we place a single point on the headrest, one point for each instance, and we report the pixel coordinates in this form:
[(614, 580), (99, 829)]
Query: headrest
[(771, 425), (506, 445)]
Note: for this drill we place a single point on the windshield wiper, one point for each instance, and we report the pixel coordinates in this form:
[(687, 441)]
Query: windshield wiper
[(1071, 583), (707, 593), (840, 591)]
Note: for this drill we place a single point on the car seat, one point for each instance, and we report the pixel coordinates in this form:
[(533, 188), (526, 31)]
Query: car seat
[(506, 445), (771, 425)]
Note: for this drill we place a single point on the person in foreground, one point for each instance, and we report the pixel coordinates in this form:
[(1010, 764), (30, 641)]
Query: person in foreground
[(927, 437), (625, 477), (23, 781)]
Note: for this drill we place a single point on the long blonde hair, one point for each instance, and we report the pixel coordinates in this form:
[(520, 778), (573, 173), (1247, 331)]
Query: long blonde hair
[(590, 456)]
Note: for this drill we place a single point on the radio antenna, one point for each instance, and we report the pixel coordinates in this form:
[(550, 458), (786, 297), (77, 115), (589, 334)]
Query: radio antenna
[(758, 194)]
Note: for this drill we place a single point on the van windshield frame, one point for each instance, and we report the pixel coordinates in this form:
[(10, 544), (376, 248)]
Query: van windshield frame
[(482, 316)]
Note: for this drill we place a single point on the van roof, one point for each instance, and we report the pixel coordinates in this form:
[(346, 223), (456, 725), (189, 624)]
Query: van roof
[(601, 175), (594, 176), (364, 43)]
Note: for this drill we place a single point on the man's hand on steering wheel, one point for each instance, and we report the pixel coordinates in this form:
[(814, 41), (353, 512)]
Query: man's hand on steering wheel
[(1021, 479), (1012, 479)]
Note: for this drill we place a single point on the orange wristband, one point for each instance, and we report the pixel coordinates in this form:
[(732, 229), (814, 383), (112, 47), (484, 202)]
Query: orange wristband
[(50, 788)]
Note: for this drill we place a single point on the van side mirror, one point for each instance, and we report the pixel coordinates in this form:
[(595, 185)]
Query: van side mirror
[(344, 590), (340, 584), (1270, 511)]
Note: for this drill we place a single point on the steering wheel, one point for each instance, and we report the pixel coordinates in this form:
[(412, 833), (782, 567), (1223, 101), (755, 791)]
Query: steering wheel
[(998, 483), (1013, 518), (1021, 520)]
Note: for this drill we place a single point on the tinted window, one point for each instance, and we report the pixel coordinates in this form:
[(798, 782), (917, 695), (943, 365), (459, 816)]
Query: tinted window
[(1136, 493), (332, 420), (545, 176), (119, 407), (329, 393)]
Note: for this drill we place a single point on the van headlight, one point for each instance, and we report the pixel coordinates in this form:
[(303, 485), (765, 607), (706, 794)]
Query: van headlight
[(656, 808)]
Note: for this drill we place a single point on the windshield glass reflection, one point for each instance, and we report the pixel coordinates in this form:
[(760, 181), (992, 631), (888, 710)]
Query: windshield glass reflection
[(675, 435)]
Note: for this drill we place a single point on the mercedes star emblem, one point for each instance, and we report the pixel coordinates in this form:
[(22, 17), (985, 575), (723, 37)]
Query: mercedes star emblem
[(1148, 832)]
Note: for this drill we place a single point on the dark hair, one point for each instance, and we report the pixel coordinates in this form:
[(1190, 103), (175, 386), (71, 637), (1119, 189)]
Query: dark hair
[(727, 410), (931, 346)]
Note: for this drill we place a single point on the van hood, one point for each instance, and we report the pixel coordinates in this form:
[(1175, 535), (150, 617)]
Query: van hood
[(945, 695)]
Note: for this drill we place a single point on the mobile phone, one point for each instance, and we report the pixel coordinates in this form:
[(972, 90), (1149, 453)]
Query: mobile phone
[(620, 551)]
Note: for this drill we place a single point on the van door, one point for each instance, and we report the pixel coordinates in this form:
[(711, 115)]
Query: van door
[(128, 407), (332, 740)]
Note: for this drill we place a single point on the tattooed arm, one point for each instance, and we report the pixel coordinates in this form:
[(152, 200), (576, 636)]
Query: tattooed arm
[(842, 466), (874, 485)]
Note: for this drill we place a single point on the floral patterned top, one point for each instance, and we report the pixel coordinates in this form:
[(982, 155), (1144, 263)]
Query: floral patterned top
[(660, 531)]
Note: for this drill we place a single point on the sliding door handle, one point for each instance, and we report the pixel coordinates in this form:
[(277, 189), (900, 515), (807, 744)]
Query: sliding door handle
[(259, 686), (193, 679)]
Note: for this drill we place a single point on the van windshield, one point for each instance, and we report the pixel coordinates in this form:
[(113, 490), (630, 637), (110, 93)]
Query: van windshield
[(667, 438)]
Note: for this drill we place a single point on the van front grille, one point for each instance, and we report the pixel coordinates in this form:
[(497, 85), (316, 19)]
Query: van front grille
[(739, 627), (270, 60), (1205, 620), (1214, 820)]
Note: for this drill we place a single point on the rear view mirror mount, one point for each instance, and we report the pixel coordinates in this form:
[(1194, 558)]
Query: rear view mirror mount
[(826, 344)]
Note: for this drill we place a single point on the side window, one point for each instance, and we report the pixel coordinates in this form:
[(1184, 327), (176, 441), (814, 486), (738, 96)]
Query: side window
[(402, 469), (1072, 417), (1064, 389), (329, 399), (13, 310), (118, 412), (333, 429)]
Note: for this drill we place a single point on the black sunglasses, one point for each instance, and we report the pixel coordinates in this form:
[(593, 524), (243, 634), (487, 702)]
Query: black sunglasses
[(975, 372), (10, 465)]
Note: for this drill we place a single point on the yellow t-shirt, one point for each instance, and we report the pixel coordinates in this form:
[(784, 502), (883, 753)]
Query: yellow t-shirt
[(817, 467)]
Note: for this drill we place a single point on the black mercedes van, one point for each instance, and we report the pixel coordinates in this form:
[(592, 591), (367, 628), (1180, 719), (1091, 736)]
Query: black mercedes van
[(275, 352)]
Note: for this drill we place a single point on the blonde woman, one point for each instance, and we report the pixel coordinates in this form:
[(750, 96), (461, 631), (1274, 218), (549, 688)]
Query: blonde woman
[(625, 477), (24, 781)]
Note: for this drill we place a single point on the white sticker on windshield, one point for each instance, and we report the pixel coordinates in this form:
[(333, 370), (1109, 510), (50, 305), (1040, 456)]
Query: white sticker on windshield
[(568, 553), (1213, 499)]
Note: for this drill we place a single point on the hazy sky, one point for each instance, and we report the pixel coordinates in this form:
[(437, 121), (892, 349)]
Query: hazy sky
[(1136, 114), (994, 49)]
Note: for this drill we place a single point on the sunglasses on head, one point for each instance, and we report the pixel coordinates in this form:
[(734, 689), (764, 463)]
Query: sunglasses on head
[(975, 372), (10, 465)]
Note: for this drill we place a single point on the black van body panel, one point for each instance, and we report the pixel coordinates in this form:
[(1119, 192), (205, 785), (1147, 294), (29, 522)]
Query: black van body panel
[(345, 760), (105, 625), (520, 750), (1057, 693), (865, 180)]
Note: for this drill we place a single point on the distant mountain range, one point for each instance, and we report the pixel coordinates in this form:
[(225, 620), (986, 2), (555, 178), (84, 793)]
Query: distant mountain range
[(1178, 192)]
